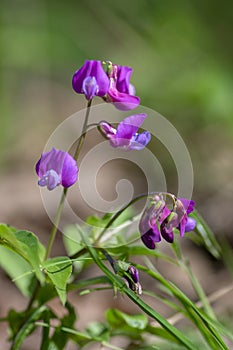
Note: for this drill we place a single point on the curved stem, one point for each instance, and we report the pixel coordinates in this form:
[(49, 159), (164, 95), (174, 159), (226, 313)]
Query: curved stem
[(111, 221)]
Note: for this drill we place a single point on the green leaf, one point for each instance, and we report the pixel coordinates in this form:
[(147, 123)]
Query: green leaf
[(19, 270), (117, 318), (59, 270), (72, 240), (98, 330), (25, 244), (207, 236)]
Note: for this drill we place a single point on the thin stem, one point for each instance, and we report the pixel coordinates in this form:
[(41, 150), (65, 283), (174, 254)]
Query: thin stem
[(115, 217), (83, 134), (193, 279), (55, 224)]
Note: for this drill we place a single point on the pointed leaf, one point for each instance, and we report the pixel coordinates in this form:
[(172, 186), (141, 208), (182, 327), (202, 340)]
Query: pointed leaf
[(59, 270)]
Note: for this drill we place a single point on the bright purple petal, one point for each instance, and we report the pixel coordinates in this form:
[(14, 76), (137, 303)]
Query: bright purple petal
[(122, 101), (101, 78), (89, 70), (123, 79), (80, 75), (69, 171), (188, 205), (129, 126), (56, 167)]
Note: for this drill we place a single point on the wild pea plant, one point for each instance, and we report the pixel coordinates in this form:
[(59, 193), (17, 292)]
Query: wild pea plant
[(165, 217)]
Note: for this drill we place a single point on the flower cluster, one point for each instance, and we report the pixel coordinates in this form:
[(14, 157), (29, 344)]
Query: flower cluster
[(159, 221), (56, 167), (113, 85)]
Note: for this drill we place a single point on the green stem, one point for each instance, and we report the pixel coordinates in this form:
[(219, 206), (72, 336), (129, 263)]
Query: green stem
[(185, 264), (116, 216), (55, 224)]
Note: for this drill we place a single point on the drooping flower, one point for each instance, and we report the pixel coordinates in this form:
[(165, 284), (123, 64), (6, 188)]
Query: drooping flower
[(158, 220), (56, 168), (121, 92), (126, 135), (91, 80)]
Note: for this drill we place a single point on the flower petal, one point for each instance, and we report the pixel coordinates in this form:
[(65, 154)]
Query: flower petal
[(129, 126), (190, 225), (139, 141), (91, 69), (69, 171), (188, 205), (122, 101), (123, 79)]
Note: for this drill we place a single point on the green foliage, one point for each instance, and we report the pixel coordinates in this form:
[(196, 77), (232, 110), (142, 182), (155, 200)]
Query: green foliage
[(27, 246), (59, 270), (205, 236)]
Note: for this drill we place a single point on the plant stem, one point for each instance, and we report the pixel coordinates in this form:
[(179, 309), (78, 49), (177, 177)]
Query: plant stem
[(65, 190), (184, 263), (111, 221)]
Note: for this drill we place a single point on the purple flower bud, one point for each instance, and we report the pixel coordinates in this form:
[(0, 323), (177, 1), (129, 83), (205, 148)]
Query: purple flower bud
[(83, 80), (167, 227), (190, 225), (126, 136), (56, 168), (133, 273)]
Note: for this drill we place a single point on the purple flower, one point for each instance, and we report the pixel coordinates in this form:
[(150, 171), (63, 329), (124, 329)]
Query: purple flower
[(121, 92), (126, 136), (158, 220), (56, 168), (91, 80)]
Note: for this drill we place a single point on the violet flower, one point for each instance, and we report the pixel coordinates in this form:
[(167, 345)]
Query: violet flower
[(91, 80), (159, 221), (126, 135), (121, 92), (56, 168)]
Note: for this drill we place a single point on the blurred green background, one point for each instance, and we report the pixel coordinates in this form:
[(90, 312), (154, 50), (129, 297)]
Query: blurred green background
[(182, 56)]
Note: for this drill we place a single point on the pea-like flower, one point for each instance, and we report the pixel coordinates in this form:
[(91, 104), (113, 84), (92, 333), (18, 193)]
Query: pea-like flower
[(159, 221), (121, 92), (91, 80), (126, 135), (113, 85), (56, 168)]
